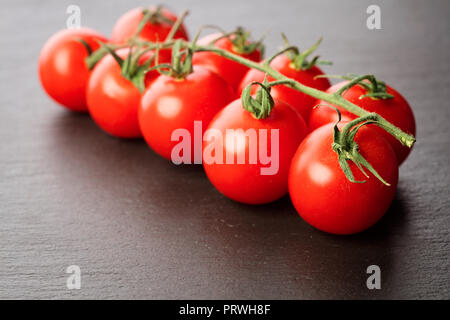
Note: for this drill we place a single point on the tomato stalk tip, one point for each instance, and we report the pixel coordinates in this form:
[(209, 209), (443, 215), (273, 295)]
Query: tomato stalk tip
[(348, 150)]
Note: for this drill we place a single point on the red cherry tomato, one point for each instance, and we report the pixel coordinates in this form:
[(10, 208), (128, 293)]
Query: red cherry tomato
[(170, 104), (244, 182), (128, 23), (231, 71), (113, 100), (322, 194), (395, 110), (62, 68), (303, 103)]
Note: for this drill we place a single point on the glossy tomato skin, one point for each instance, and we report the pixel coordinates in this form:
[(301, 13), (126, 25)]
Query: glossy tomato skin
[(244, 182), (113, 101), (170, 104), (395, 110), (62, 68), (128, 23), (303, 103), (231, 71), (322, 194)]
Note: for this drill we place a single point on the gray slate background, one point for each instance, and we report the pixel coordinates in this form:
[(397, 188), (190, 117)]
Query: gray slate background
[(140, 227)]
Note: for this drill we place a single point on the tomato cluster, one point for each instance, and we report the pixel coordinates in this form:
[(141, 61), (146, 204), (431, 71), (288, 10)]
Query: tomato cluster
[(160, 93)]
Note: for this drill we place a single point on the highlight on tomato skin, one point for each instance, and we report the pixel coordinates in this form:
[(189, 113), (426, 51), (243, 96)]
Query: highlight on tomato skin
[(63, 72), (302, 102), (126, 26), (244, 182), (231, 71), (395, 110), (322, 194)]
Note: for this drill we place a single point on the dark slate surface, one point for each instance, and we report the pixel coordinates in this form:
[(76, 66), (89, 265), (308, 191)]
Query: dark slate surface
[(139, 227)]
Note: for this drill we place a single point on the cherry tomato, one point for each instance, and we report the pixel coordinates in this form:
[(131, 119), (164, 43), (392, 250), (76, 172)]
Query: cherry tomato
[(62, 69), (303, 103), (231, 71), (113, 100), (395, 110), (245, 182), (170, 104), (322, 194), (128, 23)]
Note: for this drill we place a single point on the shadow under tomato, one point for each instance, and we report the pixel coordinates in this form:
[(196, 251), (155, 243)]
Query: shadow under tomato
[(340, 262), (273, 240)]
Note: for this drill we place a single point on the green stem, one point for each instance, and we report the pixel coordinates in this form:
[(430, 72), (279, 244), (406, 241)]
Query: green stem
[(335, 99), (290, 48), (279, 82), (145, 18), (354, 82), (176, 26), (262, 104), (351, 124)]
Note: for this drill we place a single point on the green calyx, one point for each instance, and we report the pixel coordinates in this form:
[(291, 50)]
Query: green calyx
[(130, 67), (242, 44), (240, 40), (262, 104), (181, 64), (299, 60), (348, 150), (375, 89)]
